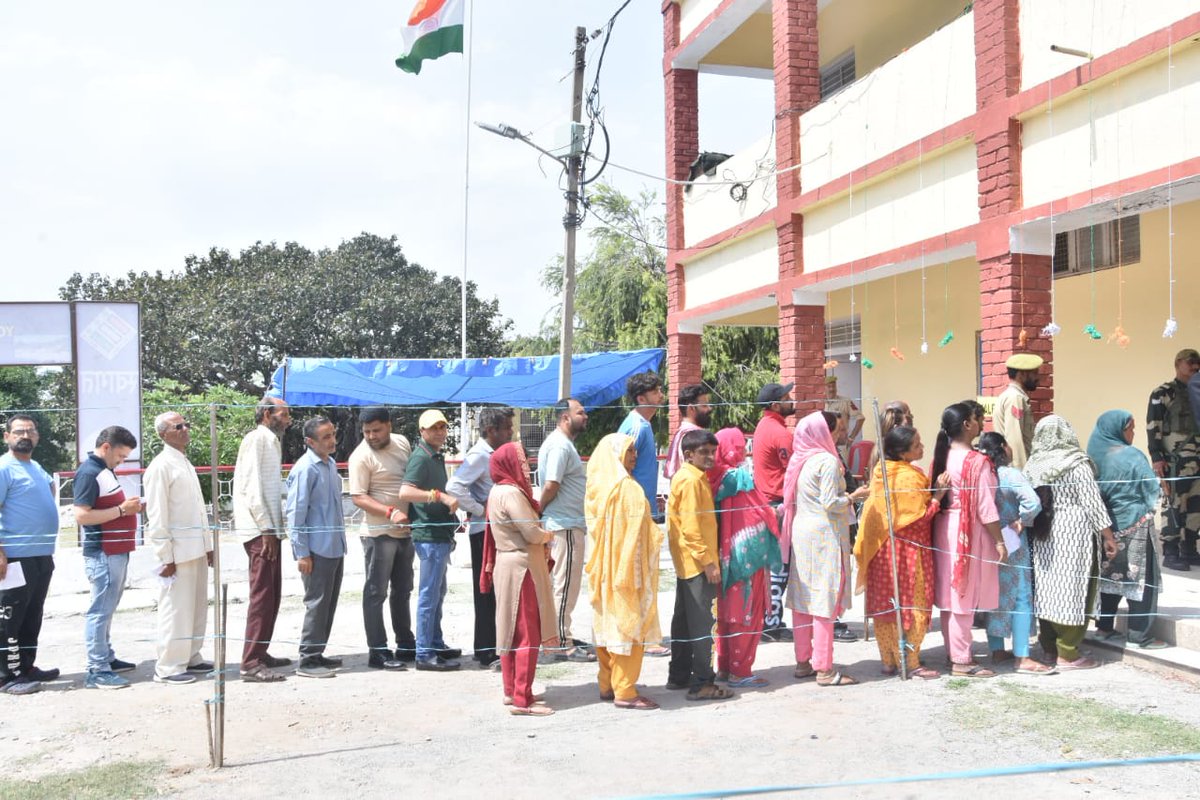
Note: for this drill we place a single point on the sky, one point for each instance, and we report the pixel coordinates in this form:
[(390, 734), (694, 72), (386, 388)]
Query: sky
[(137, 133)]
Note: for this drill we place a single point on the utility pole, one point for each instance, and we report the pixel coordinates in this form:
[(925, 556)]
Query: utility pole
[(571, 221)]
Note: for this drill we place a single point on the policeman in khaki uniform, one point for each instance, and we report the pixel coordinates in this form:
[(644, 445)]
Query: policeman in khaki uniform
[(1174, 446), (1012, 416)]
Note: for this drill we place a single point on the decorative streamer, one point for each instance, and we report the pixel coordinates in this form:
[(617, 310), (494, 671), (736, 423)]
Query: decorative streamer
[(1052, 328), (1171, 325)]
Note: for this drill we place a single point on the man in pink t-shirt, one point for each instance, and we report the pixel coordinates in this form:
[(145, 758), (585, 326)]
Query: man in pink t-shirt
[(696, 410)]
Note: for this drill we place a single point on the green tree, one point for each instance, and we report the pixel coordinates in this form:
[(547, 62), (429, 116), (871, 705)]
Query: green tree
[(24, 391), (229, 320)]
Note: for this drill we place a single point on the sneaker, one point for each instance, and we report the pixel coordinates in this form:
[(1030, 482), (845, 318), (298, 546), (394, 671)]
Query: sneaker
[(312, 668), (22, 686), (104, 680), (117, 665), (181, 679), (200, 667), (329, 663), (43, 675)]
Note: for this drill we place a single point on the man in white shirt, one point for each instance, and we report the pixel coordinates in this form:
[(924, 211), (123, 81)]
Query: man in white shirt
[(177, 529), (258, 516), (471, 484)]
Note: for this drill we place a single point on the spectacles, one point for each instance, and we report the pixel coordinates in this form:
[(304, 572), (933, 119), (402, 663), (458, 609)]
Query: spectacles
[(23, 432), (181, 426)]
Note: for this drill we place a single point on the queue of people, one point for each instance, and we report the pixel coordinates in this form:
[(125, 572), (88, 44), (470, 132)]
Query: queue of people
[(1022, 523)]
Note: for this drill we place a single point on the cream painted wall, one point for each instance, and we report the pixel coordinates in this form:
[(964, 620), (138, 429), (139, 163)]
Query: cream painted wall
[(1091, 377), (879, 29), (749, 46), (915, 94), (905, 206), (737, 267), (709, 209), (692, 13), (1095, 26), (1123, 128), (929, 383)]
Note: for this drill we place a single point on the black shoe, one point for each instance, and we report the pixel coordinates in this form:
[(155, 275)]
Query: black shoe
[(449, 653), (384, 662), (487, 661), (275, 663), (844, 634), (406, 654), (1173, 561), (329, 663), (203, 666), (42, 675), (438, 664), (117, 665), (1192, 557)]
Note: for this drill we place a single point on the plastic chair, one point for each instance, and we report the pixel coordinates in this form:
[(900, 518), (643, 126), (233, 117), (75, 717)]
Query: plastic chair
[(860, 457)]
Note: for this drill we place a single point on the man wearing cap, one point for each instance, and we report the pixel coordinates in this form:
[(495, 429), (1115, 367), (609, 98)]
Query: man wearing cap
[(431, 511), (845, 408), (1173, 441), (1013, 415), (772, 448)]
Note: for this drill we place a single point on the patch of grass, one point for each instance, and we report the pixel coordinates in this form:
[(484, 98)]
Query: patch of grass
[(958, 684), (550, 672), (666, 580), (119, 779), (1077, 723)]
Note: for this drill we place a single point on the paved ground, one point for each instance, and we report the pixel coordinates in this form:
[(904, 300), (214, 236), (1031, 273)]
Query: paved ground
[(367, 733)]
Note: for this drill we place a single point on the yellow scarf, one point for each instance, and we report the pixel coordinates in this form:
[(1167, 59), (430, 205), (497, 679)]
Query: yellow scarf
[(909, 489)]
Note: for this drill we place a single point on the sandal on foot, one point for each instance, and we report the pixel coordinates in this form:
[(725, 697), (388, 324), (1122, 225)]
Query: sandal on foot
[(710, 692), (580, 656), (1038, 668), (925, 673), (803, 670), (749, 682), (262, 674), (837, 678), (971, 671), (657, 651), (535, 710), (1083, 662), (1154, 644), (1106, 636), (537, 698), (638, 703)]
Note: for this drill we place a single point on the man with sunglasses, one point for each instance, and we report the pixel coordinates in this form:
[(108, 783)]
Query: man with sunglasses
[(178, 531)]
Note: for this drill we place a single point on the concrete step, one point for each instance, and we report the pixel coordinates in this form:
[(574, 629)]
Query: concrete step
[(1178, 623)]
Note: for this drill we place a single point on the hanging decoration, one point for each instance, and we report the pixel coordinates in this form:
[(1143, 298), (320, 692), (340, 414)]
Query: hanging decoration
[(1052, 328), (867, 363), (1091, 331), (830, 364), (1171, 325), (947, 339), (895, 350)]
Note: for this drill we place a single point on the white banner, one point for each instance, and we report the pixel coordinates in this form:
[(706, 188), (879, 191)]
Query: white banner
[(108, 372), (35, 334)]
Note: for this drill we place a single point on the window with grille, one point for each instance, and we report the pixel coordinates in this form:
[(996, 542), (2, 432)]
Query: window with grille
[(837, 74), (1118, 241), (843, 336)]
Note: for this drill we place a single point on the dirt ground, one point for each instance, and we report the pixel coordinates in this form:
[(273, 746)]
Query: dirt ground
[(367, 733)]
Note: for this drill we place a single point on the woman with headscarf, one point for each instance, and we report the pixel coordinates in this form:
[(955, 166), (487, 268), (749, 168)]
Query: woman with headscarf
[(747, 537), (913, 508), (1066, 560), (622, 571), (816, 526), (967, 544), (1018, 505), (1131, 492), (514, 565)]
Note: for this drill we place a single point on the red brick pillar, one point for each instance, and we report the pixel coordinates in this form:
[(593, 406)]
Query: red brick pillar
[(1014, 288), (683, 146), (802, 354)]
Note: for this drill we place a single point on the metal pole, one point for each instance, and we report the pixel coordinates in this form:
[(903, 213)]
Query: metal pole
[(887, 503), (218, 701), (571, 224), (464, 427)]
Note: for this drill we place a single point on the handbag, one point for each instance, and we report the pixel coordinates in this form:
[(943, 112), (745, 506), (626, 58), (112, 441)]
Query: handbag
[(1040, 528)]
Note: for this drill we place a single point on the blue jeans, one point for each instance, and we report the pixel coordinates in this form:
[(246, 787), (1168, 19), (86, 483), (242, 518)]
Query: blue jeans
[(107, 576), (431, 593)]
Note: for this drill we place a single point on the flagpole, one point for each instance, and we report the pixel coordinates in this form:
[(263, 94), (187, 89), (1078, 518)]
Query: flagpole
[(469, 34)]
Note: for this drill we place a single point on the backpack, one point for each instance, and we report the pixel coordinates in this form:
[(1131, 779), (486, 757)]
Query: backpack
[(1045, 518)]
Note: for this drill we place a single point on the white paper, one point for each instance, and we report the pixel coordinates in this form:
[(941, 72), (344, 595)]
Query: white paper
[(14, 578), (1012, 539)]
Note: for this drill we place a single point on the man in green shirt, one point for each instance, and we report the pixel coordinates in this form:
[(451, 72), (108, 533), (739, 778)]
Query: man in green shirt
[(431, 512)]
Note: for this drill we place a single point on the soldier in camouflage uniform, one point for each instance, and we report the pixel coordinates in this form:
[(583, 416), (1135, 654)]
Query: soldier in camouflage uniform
[(1174, 445)]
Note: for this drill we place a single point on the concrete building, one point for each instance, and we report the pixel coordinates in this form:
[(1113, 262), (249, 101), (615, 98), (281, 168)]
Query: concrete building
[(929, 169)]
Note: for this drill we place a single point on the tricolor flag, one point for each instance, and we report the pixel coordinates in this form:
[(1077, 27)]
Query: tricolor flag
[(434, 28)]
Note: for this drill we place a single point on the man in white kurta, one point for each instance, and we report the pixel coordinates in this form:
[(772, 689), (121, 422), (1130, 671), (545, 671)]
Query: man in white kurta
[(178, 531)]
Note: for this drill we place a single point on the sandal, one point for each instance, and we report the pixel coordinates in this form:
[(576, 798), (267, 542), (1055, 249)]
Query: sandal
[(835, 678), (580, 656), (749, 682), (262, 674), (1083, 662), (1106, 636), (1154, 644), (638, 703), (656, 651), (971, 671), (710, 692), (803, 670), (925, 673), (537, 698), (1038, 668), (535, 710)]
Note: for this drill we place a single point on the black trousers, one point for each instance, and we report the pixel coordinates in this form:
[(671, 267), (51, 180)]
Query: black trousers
[(1140, 621), (485, 607), (21, 616), (691, 633), (389, 565)]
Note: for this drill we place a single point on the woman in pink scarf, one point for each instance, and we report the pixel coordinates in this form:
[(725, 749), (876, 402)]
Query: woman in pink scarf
[(748, 540), (816, 529)]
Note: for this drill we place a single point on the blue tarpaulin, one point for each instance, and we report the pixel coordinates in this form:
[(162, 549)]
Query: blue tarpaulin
[(521, 382)]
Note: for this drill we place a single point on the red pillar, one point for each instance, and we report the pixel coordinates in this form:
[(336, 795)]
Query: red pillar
[(683, 146), (1014, 286)]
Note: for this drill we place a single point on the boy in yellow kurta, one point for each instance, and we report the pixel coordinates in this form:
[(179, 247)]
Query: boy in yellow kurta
[(692, 535)]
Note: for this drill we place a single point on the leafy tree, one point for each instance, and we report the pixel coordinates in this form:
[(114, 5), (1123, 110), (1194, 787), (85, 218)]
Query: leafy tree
[(24, 391), (228, 321)]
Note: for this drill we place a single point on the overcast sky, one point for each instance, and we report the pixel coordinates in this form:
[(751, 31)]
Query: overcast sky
[(136, 133)]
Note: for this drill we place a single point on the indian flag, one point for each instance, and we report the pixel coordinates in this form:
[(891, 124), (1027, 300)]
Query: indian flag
[(434, 28)]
